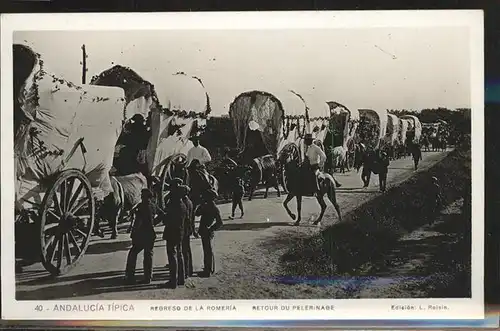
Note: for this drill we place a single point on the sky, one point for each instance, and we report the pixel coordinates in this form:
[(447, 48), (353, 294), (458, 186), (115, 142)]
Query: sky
[(377, 68)]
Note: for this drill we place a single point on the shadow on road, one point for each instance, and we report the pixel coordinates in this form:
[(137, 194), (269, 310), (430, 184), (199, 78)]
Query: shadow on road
[(110, 246), (252, 226), (90, 284)]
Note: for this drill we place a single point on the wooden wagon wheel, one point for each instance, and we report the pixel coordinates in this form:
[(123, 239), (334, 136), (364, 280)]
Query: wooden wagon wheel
[(289, 152), (179, 160), (67, 221)]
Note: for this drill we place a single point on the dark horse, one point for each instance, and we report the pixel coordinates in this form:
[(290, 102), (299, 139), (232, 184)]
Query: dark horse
[(297, 178), (264, 170)]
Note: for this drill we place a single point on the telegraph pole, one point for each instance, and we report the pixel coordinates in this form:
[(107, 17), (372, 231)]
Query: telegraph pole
[(84, 65)]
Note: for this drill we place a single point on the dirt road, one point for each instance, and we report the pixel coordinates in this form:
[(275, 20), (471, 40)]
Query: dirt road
[(244, 264)]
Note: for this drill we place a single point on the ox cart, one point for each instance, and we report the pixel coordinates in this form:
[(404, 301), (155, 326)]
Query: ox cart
[(64, 141)]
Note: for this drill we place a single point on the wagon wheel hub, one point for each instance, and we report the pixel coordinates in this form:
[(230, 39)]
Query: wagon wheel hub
[(68, 221)]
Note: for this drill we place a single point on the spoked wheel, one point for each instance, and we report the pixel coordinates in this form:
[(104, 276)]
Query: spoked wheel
[(174, 167), (67, 221), (288, 153)]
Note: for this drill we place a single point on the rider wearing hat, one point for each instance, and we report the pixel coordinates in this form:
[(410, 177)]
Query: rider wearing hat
[(315, 155), (197, 152)]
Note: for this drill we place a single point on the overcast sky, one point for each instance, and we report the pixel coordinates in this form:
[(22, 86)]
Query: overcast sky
[(362, 68)]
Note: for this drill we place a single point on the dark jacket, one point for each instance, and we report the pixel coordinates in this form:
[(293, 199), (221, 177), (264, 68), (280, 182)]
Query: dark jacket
[(239, 187), (383, 164), (211, 219), (143, 230), (176, 215)]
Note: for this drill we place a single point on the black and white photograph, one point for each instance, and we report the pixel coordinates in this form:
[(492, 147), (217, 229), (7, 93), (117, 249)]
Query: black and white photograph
[(243, 164)]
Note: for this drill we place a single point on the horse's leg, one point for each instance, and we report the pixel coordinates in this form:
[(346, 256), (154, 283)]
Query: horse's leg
[(277, 187), (322, 204), (267, 189), (250, 193), (114, 222), (299, 209), (288, 198), (332, 196)]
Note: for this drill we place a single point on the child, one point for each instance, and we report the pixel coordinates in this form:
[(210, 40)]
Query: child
[(238, 193)]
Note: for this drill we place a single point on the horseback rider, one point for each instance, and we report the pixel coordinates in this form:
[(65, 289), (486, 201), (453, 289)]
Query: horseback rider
[(197, 152), (315, 157)]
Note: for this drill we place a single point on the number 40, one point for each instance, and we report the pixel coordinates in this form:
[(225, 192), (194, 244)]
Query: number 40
[(39, 308)]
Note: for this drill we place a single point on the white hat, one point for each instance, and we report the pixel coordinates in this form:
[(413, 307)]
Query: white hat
[(253, 125)]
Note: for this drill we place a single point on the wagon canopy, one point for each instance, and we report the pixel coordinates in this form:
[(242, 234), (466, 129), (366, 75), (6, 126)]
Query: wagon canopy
[(55, 114), (416, 127), (262, 110), (186, 106), (141, 98), (403, 129), (344, 122), (392, 131), (372, 127)]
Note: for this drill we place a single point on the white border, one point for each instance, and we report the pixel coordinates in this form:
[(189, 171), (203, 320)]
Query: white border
[(345, 309)]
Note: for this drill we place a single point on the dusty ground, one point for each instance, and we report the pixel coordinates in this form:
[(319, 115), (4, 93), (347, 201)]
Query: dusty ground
[(249, 255)]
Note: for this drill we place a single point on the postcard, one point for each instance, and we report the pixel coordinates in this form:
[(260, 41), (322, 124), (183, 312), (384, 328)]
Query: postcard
[(243, 166)]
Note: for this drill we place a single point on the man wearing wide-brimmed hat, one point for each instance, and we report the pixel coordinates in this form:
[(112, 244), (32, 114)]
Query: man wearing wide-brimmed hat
[(197, 152), (315, 155), (177, 223)]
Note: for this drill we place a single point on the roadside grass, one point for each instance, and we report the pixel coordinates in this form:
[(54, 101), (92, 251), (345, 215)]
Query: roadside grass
[(370, 241)]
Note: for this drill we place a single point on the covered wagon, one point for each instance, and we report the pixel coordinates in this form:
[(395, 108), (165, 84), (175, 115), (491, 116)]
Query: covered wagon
[(414, 132), (372, 127), (155, 144), (257, 118), (64, 141), (403, 130), (129, 161)]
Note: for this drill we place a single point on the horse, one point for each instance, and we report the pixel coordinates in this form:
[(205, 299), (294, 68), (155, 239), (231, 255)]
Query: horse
[(295, 179), (263, 169)]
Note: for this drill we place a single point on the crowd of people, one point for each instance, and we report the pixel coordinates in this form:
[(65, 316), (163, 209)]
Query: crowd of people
[(178, 217)]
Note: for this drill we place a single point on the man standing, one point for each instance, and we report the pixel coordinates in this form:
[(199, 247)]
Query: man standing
[(416, 154), (210, 222), (197, 152), (175, 219), (143, 238), (315, 156), (383, 164)]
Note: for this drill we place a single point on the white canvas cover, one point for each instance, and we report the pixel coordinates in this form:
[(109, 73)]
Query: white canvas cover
[(404, 123), (186, 106), (392, 129), (416, 125), (139, 106), (379, 118), (261, 109), (59, 114)]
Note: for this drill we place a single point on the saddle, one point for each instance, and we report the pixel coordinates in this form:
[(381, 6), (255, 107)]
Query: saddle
[(307, 185)]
